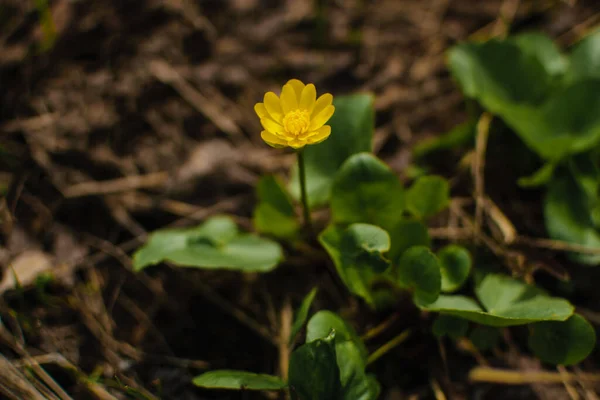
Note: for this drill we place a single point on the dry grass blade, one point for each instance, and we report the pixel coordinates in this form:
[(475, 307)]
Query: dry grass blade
[(14, 385), (513, 377)]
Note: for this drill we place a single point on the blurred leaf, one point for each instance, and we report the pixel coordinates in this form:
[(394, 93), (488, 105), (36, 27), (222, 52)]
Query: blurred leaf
[(511, 80), (274, 213), (314, 373), (216, 244), (405, 234), (357, 252), (302, 314), (567, 217), (419, 269), (564, 343), (428, 196), (238, 380), (585, 59), (540, 177), (366, 190), (542, 48), (448, 325), (460, 135), (455, 263), (508, 302), (352, 127), (485, 337)]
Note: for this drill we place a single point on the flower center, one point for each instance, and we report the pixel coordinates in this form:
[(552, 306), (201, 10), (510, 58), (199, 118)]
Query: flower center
[(296, 122)]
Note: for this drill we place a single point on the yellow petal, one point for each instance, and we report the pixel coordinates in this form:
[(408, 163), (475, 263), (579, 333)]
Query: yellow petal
[(297, 85), (308, 97), (273, 106), (320, 135), (289, 100), (322, 102), (272, 126), (321, 118), (260, 110), (272, 140), (296, 143)]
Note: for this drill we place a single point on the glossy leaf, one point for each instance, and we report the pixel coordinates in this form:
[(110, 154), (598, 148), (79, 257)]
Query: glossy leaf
[(542, 48), (274, 214), (314, 373), (357, 252), (585, 59), (455, 263), (405, 234), (565, 343), (238, 380), (366, 190), (302, 314), (352, 127), (324, 321), (419, 270), (427, 196), (216, 244)]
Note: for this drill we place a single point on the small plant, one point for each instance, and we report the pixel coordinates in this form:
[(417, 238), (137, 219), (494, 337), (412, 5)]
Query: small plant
[(378, 241)]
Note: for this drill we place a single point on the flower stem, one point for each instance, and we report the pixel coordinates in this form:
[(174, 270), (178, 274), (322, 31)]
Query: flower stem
[(303, 196)]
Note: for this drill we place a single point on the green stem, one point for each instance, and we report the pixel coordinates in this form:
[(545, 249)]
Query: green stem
[(304, 197)]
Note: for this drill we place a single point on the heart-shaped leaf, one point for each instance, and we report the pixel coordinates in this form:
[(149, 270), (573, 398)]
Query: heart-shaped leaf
[(405, 234), (357, 252), (352, 127), (429, 195), (565, 343), (314, 373), (321, 324), (238, 380), (455, 263), (216, 244), (366, 190), (302, 314), (554, 119), (274, 214), (419, 270), (568, 217), (507, 301)]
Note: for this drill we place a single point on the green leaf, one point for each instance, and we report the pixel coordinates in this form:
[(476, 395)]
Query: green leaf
[(428, 196), (351, 355), (448, 325), (568, 218), (507, 302), (314, 373), (274, 214), (565, 343), (321, 324), (585, 59), (540, 177), (356, 384), (238, 380), (366, 190), (455, 263), (216, 244), (542, 48), (513, 83), (419, 269), (485, 337), (352, 127), (302, 314), (357, 253), (460, 135), (405, 234)]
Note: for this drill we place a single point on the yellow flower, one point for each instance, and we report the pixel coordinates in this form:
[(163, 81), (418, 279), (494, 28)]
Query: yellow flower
[(297, 117)]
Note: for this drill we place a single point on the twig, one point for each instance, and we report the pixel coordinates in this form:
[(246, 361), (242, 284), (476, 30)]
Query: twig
[(125, 184), (377, 330), (515, 377), (483, 127), (387, 347), (556, 245)]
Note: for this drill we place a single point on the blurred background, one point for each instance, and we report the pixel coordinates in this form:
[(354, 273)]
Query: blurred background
[(119, 117)]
